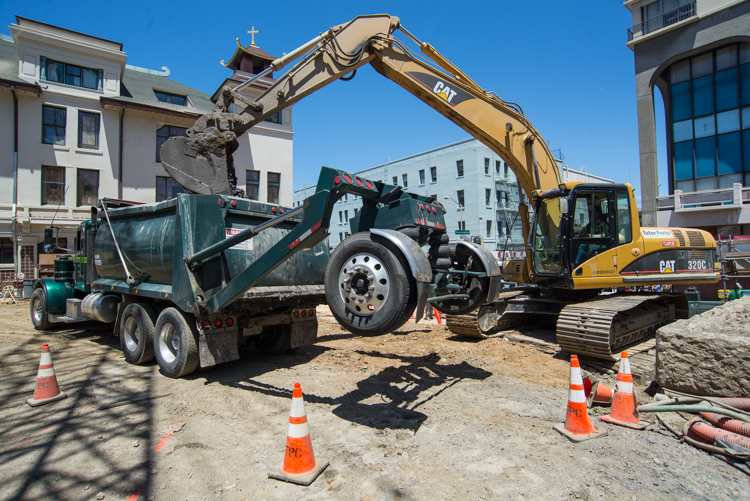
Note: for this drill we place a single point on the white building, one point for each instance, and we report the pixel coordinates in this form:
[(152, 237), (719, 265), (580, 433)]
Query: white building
[(482, 190), (80, 125)]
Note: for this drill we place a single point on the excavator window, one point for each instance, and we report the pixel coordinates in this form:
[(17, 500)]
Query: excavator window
[(546, 248), (591, 227), (624, 225)]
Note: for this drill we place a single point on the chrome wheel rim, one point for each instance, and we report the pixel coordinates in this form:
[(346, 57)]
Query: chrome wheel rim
[(37, 310), (364, 284), (169, 343), (132, 334)]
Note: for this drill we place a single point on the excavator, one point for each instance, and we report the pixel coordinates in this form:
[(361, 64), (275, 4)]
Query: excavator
[(580, 239)]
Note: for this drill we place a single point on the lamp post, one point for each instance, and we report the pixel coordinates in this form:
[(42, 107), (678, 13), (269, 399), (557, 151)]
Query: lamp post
[(460, 210)]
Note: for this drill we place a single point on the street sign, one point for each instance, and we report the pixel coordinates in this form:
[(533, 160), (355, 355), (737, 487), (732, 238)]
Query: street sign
[(463, 232)]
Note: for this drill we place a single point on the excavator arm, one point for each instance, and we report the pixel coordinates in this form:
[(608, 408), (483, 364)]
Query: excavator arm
[(202, 161)]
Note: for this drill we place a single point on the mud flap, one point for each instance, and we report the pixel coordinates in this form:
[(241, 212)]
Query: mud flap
[(218, 347)]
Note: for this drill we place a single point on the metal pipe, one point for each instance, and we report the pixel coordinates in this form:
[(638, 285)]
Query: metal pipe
[(209, 252), (14, 213), (130, 280), (119, 172), (692, 408)]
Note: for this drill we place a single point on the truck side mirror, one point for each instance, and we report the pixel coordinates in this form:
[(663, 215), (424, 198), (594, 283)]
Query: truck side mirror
[(49, 245)]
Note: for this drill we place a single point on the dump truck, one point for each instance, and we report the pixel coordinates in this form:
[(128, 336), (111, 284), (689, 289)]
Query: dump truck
[(189, 280)]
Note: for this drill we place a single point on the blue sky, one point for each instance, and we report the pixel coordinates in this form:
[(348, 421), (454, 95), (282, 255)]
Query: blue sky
[(566, 64)]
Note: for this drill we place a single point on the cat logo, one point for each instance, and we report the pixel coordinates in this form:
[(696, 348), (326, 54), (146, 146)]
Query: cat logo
[(444, 91), (452, 96), (666, 266)]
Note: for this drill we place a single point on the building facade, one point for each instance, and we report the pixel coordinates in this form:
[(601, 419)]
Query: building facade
[(79, 124), (477, 188), (698, 54)]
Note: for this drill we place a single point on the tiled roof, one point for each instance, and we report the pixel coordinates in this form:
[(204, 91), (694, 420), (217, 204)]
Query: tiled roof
[(138, 87), (9, 62)]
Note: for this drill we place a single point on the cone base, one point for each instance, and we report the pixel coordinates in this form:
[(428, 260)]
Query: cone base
[(597, 396), (34, 402), (579, 438), (302, 478), (635, 426)]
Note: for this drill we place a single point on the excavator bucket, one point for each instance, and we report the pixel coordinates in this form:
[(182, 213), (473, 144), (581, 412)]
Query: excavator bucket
[(201, 166)]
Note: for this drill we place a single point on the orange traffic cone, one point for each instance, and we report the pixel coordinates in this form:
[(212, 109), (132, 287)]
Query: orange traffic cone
[(600, 394), (46, 382), (624, 406), (437, 315), (578, 427), (299, 465)]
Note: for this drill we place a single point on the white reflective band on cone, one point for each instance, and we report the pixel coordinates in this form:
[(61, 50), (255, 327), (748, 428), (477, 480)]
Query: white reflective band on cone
[(297, 430), (45, 373), (298, 408), (46, 358), (624, 366), (624, 387)]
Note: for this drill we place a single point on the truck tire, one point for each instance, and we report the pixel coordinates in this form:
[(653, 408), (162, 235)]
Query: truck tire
[(175, 345), (275, 340), (137, 333), (38, 310), (362, 261)]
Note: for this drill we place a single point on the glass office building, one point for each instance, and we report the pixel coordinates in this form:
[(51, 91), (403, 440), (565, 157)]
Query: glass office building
[(710, 119)]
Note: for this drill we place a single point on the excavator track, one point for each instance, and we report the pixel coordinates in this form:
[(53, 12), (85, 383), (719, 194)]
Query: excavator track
[(601, 326), (468, 325)]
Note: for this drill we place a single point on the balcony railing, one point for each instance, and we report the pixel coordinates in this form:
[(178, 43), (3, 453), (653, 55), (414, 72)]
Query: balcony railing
[(662, 20), (726, 198)]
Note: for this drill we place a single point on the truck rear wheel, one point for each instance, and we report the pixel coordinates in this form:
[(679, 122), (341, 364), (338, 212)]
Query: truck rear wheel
[(137, 333), (369, 286), (175, 345), (39, 310)]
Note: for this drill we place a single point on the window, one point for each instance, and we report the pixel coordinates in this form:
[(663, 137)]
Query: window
[(341, 217), (489, 228), (395, 180), (6, 250), (421, 177), (88, 130), (460, 197), (166, 97), (341, 236), (274, 181), (460, 168), (164, 133), (275, 118), (88, 187), (346, 216), (505, 170), (53, 125), (497, 166), (53, 185), (405, 177), (624, 228), (487, 197), (487, 166), (462, 225), (77, 76), (167, 188), (346, 197), (252, 182), (433, 174), (707, 95)]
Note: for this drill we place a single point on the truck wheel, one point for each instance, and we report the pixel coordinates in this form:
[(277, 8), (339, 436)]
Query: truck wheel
[(474, 287), (275, 340), (137, 333), (369, 286), (175, 344), (39, 310)]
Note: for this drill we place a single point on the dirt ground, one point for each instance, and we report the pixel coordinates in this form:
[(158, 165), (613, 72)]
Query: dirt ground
[(416, 414)]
